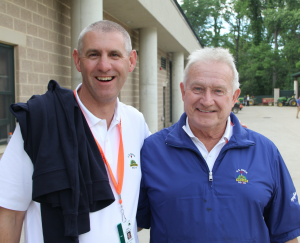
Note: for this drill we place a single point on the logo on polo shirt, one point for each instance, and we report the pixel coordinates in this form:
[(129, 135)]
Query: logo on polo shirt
[(294, 198), (132, 163), (242, 179)]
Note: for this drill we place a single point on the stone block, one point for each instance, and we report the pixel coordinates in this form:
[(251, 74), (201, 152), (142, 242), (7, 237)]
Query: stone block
[(29, 41), (37, 19), (31, 5), (20, 25), (21, 52), (48, 46), (63, 19), (13, 10), (42, 10), (48, 68), (21, 77), (43, 33), (23, 99), (32, 54), (33, 78), (52, 36), (19, 2), (27, 90), (26, 15), (61, 39), (62, 71), (43, 56), (44, 79), (2, 6), (48, 24), (26, 66), (32, 29), (48, 3), (68, 41), (53, 58), (64, 61), (38, 67), (52, 14), (62, 8), (64, 30), (6, 21), (63, 50), (38, 43), (39, 89), (66, 2)]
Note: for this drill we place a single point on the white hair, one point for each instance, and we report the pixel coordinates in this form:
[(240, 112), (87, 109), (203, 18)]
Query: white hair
[(105, 26), (208, 54)]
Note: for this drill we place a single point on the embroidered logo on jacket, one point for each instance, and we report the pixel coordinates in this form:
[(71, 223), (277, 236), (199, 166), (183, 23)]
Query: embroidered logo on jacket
[(242, 179), (132, 164), (294, 198)]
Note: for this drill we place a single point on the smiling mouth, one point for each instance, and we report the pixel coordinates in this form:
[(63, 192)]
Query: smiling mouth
[(205, 111), (105, 79)]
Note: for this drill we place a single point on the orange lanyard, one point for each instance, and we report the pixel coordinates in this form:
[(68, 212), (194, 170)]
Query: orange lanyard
[(120, 169)]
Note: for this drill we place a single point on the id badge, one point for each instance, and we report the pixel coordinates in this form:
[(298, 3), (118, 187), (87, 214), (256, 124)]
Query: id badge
[(125, 232)]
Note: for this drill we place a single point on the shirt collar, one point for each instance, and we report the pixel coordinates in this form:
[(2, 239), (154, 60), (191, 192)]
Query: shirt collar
[(226, 136), (93, 120)]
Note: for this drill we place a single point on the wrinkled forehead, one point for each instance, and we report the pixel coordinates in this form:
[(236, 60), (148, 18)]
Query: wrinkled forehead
[(212, 72)]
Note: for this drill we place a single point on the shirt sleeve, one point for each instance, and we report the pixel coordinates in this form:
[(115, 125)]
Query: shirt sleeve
[(282, 215), (16, 171)]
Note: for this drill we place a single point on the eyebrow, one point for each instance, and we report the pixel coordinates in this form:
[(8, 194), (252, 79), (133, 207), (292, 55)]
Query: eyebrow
[(91, 50)]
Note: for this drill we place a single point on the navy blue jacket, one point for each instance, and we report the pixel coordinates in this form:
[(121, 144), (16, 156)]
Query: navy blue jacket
[(69, 178), (250, 199)]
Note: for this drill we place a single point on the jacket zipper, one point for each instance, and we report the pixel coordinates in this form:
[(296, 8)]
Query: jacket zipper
[(210, 175)]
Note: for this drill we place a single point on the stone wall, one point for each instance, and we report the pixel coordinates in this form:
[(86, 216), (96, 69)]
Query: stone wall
[(47, 54)]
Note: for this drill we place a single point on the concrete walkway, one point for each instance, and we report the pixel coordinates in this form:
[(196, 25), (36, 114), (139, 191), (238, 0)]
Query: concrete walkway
[(278, 124)]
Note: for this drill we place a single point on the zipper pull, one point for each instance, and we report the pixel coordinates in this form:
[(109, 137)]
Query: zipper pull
[(210, 178)]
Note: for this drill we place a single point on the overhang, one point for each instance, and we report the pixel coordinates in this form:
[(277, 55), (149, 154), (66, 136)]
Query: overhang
[(296, 75), (174, 33)]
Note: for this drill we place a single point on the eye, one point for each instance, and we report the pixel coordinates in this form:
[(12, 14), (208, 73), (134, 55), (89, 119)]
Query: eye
[(219, 92), (115, 55), (197, 90), (93, 54)]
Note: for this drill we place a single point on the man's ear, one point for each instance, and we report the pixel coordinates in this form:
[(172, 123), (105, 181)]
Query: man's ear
[(132, 60), (235, 96), (182, 90), (76, 59)]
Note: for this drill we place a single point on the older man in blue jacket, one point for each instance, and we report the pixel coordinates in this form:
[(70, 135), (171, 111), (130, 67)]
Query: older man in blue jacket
[(206, 178)]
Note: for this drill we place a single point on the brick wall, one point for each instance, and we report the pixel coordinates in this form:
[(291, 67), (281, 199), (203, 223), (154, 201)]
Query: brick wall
[(47, 54)]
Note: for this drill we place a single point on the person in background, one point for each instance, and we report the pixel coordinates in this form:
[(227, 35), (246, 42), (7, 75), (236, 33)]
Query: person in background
[(298, 107)]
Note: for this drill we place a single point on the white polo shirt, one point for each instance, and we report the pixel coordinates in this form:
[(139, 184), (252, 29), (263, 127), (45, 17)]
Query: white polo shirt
[(210, 157), (16, 171)]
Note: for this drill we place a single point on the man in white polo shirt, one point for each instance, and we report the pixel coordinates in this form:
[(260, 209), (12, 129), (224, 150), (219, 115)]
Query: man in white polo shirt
[(104, 57)]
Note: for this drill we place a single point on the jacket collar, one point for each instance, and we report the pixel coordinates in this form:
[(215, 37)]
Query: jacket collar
[(177, 136)]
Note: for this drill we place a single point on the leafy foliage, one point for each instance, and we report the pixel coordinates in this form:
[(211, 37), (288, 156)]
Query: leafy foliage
[(262, 35)]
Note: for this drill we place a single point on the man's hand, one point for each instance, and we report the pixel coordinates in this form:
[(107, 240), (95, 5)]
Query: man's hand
[(10, 225), (293, 241)]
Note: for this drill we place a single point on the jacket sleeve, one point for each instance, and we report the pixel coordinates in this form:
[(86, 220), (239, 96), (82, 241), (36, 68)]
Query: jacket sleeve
[(143, 212), (282, 215)]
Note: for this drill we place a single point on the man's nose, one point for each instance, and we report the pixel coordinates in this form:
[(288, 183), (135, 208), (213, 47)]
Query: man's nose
[(207, 98), (104, 64)]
